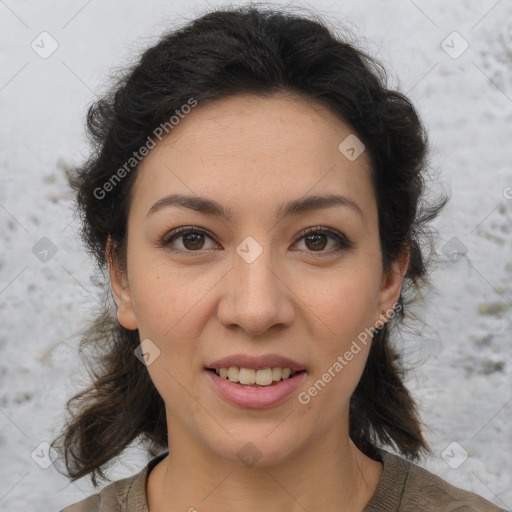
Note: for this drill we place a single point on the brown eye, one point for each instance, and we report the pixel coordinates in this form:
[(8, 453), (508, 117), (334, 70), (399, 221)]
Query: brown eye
[(192, 240), (317, 239)]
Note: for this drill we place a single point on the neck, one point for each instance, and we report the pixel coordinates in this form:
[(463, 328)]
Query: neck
[(330, 475)]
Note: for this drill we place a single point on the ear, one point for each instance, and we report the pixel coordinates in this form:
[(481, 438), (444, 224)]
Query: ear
[(391, 286), (121, 292)]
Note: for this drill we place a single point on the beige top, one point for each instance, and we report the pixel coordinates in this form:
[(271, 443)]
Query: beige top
[(403, 487)]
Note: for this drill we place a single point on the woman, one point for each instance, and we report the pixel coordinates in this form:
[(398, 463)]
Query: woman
[(256, 196)]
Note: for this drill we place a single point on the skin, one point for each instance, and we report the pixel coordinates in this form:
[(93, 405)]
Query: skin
[(252, 154)]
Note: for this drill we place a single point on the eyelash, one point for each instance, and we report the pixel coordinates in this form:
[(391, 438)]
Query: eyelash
[(344, 243)]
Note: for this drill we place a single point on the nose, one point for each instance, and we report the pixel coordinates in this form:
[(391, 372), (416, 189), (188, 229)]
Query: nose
[(258, 296)]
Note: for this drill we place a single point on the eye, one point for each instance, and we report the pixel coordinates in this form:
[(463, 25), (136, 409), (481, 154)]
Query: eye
[(315, 239), (192, 239)]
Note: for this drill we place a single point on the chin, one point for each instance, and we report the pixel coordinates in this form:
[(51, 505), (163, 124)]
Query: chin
[(257, 448)]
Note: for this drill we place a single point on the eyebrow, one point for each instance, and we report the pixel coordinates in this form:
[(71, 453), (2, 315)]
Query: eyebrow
[(295, 207)]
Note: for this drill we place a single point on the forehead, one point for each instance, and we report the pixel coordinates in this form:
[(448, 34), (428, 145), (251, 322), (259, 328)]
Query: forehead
[(264, 147)]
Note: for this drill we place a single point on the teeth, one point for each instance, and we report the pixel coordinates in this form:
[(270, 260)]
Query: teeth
[(264, 377), (233, 373), (249, 376)]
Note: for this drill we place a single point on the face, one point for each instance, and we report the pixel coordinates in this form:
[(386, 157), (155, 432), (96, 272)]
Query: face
[(279, 278)]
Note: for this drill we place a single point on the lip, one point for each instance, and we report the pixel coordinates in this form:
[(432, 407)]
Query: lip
[(255, 398), (257, 363)]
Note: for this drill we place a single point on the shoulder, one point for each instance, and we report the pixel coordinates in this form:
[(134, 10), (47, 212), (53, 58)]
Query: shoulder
[(424, 488), (406, 487), (115, 497), (126, 495)]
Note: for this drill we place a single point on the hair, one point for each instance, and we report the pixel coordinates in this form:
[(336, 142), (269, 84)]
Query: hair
[(223, 53)]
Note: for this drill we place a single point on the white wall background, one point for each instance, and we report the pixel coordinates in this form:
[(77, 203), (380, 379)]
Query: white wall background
[(464, 381)]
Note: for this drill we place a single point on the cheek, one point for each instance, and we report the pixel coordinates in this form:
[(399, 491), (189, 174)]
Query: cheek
[(168, 307), (341, 304), (166, 298), (341, 349), (343, 309), (339, 364)]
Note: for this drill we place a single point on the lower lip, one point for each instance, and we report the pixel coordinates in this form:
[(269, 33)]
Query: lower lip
[(256, 398)]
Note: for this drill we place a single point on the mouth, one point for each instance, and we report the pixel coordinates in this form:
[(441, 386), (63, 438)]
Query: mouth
[(251, 388), (256, 378)]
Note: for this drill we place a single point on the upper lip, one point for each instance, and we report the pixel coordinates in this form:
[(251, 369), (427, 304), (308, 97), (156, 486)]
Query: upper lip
[(256, 363)]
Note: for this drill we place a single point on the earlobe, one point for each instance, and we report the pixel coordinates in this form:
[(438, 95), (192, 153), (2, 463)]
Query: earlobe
[(392, 286), (121, 293)]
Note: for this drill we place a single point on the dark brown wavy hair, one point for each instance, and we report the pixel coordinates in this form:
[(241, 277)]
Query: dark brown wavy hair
[(220, 54)]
